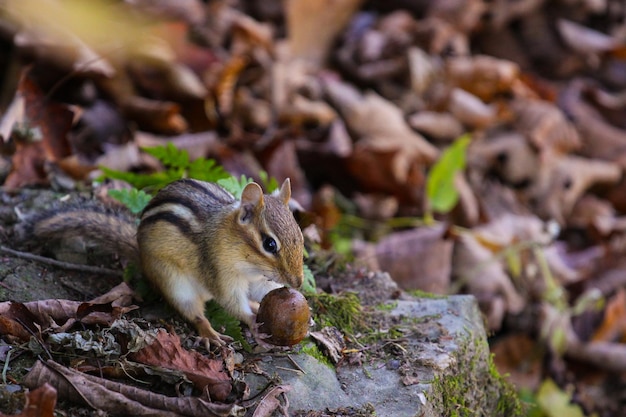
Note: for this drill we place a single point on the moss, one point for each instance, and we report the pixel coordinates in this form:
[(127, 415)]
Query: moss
[(425, 294), (387, 306), (473, 389), (342, 311), (311, 349)]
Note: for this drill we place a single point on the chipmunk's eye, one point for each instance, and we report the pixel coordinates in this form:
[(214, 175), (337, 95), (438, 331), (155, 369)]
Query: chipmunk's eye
[(269, 244)]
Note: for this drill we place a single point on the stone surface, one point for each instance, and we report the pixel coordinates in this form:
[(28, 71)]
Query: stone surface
[(445, 325)]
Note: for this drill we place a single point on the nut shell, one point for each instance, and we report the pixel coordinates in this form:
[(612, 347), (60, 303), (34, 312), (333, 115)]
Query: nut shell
[(284, 316)]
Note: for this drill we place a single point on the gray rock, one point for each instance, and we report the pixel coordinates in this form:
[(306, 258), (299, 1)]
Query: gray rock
[(449, 333)]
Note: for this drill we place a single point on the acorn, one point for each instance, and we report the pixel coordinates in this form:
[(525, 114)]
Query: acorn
[(284, 316)]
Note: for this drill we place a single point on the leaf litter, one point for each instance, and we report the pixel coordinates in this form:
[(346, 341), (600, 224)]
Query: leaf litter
[(358, 115)]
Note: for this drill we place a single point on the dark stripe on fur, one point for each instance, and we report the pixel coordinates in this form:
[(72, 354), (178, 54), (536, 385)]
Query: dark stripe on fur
[(211, 190), (171, 218)]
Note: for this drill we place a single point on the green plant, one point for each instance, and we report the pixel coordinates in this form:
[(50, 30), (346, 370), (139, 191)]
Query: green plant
[(440, 188), (177, 165)]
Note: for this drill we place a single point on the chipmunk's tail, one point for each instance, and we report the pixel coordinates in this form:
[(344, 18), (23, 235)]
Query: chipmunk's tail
[(110, 230)]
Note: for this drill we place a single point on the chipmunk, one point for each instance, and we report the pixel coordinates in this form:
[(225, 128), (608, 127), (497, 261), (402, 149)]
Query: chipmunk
[(195, 242)]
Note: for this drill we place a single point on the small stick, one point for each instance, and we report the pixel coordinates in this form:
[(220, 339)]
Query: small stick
[(293, 361), (60, 264)]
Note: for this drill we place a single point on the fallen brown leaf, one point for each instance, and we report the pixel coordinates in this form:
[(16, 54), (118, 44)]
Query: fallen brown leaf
[(304, 18), (270, 403), (613, 326), (519, 357), (40, 402), (116, 398), (206, 374), (416, 259)]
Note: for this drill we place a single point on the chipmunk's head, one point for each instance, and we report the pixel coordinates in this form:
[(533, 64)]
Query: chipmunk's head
[(272, 233)]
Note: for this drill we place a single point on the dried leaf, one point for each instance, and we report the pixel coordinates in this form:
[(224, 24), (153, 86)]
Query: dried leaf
[(519, 357), (545, 125), (270, 403), (331, 342), (304, 19), (613, 326), (471, 110), (481, 75), (166, 351), (440, 126), (583, 39), (417, 259), (563, 180), (40, 402), (116, 398)]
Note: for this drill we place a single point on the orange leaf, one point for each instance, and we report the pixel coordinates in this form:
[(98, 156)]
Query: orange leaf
[(39, 403), (613, 325)]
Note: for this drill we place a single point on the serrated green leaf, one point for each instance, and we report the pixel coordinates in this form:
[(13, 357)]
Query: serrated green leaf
[(206, 170), (225, 323), (140, 181), (170, 155), (269, 183), (440, 189), (235, 186), (135, 200)]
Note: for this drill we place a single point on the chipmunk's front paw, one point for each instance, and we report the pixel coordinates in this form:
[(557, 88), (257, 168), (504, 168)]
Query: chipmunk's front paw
[(210, 337)]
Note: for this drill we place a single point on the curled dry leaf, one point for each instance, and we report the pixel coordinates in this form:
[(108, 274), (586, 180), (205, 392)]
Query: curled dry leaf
[(600, 138), (613, 326), (545, 126), (507, 155), (423, 69), (440, 126), (563, 180), (584, 40), (155, 116), (331, 342), (271, 402), (62, 314), (45, 124), (471, 110), (477, 268), (388, 156), (482, 75), (304, 20), (117, 398)]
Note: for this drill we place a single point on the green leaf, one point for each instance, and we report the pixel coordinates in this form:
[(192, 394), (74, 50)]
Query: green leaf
[(235, 186), (170, 155), (440, 189), (269, 184), (206, 170), (225, 323), (135, 200), (141, 181), (308, 285), (555, 402)]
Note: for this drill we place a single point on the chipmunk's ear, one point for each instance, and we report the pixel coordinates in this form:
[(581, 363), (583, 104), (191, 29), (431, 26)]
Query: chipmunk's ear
[(251, 202), (285, 192)]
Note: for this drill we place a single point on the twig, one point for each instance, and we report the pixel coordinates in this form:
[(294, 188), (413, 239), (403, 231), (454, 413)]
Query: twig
[(293, 361), (288, 369), (5, 368), (60, 264)]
